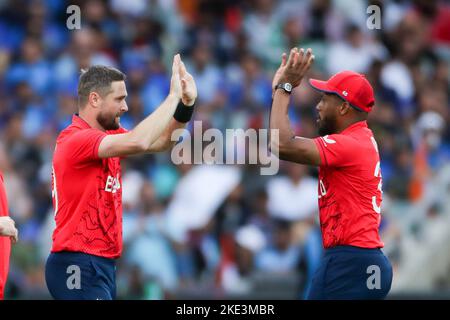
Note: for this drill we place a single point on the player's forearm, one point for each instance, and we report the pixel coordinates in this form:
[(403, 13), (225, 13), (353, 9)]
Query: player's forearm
[(151, 128), (279, 120), (165, 141)]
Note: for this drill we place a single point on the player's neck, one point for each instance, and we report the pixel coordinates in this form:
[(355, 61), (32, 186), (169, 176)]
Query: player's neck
[(347, 123), (90, 119)]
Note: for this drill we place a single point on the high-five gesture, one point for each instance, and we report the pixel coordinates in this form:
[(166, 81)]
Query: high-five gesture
[(294, 69), (182, 84)]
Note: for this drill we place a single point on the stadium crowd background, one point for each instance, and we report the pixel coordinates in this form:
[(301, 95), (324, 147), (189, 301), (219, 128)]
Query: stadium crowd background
[(225, 231)]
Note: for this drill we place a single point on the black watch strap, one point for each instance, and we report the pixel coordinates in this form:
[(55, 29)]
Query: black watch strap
[(285, 86)]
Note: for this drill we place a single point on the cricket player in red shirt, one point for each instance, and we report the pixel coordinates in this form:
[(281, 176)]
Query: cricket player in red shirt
[(349, 190), (86, 178), (8, 234)]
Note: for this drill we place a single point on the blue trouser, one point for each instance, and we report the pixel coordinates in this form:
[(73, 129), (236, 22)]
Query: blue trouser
[(348, 272), (80, 276)]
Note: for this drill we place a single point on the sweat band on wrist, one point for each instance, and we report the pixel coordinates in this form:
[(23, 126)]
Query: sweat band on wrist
[(183, 113)]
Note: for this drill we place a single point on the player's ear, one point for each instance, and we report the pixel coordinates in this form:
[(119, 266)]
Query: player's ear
[(94, 99), (344, 108)]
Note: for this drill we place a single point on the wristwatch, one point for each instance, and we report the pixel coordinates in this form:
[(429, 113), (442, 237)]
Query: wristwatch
[(285, 86)]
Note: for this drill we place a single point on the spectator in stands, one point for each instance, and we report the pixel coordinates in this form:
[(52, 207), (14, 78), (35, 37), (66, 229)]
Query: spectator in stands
[(236, 274)]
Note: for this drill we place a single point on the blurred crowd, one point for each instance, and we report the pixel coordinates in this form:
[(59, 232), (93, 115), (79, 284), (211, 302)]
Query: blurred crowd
[(217, 231)]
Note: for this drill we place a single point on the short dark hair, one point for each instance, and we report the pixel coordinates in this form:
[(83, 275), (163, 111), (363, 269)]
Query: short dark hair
[(97, 78)]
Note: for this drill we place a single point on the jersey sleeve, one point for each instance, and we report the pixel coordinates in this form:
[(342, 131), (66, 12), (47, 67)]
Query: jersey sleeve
[(336, 150), (83, 145)]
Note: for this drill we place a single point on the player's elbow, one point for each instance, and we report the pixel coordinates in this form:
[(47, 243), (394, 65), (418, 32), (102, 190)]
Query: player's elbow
[(162, 144), (292, 150), (284, 154), (137, 144), (159, 146), (141, 146), (274, 146), (120, 145), (280, 148), (168, 145)]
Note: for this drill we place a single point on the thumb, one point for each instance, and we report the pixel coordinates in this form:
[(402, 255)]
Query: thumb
[(183, 84)]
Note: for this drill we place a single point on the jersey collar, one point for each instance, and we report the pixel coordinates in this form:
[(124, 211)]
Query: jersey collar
[(77, 120)]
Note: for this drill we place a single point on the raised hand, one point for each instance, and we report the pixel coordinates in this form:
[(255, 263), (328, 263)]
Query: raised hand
[(175, 81), (188, 86), (296, 66)]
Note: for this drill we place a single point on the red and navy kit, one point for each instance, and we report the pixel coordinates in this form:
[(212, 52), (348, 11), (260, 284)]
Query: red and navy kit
[(5, 242), (353, 266), (350, 188), (87, 193)]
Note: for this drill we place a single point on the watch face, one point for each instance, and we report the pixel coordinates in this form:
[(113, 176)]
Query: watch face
[(288, 87)]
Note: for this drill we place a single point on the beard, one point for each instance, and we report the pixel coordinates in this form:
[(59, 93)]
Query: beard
[(108, 121), (327, 125)]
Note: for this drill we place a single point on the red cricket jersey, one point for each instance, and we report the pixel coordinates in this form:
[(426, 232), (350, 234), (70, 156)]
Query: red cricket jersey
[(350, 188), (87, 193), (5, 242)]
